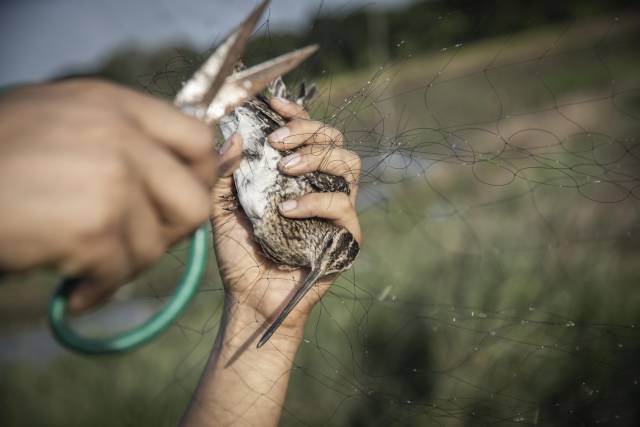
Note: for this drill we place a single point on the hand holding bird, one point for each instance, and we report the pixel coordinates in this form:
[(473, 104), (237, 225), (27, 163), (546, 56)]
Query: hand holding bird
[(256, 285)]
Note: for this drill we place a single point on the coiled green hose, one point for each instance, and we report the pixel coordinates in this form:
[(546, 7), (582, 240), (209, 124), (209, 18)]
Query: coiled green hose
[(133, 338)]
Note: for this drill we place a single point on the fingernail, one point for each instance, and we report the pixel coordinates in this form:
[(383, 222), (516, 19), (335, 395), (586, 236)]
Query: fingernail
[(290, 161), (288, 205), (279, 135)]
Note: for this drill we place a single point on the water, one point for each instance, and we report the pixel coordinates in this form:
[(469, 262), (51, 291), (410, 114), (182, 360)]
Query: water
[(36, 343)]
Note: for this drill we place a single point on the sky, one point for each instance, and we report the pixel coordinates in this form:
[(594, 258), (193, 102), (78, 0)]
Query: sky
[(40, 39)]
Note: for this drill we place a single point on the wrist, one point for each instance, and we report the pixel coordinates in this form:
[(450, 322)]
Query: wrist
[(243, 325), (242, 383)]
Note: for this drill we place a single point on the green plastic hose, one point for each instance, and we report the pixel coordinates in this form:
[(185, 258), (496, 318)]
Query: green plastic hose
[(133, 338)]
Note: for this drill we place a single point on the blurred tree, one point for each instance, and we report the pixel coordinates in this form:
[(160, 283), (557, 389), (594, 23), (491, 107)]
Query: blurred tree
[(366, 37)]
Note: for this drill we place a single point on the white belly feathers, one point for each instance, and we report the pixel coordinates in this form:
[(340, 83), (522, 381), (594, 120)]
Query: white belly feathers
[(258, 171)]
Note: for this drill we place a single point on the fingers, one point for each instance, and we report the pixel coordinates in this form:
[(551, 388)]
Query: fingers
[(188, 138), (230, 155), (321, 151), (182, 202), (336, 207), (120, 255), (185, 135), (301, 131), (144, 235), (109, 267), (132, 174), (328, 159), (170, 203), (288, 109)]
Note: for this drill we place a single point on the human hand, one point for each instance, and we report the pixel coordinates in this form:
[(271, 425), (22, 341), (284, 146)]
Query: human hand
[(97, 180), (255, 285)]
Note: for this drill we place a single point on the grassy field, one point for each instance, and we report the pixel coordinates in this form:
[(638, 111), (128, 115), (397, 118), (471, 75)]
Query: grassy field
[(499, 282)]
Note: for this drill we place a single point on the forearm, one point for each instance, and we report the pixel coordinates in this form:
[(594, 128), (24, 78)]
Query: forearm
[(242, 385)]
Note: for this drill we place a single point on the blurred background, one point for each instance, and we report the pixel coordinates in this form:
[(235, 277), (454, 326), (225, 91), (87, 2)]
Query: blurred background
[(500, 279)]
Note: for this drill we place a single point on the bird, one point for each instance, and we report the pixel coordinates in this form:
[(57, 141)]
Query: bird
[(313, 243)]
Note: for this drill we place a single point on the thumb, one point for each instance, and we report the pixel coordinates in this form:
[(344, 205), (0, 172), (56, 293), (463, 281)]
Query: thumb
[(230, 155), (229, 160)]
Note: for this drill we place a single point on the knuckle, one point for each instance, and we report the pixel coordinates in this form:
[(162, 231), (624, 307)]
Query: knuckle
[(110, 127), (99, 220), (113, 171), (331, 161), (335, 204), (332, 135), (336, 136), (299, 123), (106, 197), (302, 126), (89, 85), (101, 128), (308, 204), (330, 202), (299, 112), (312, 209), (94, 229), (293, 107), (355, 166), (315, 154), (342, 202), (354, 160)]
